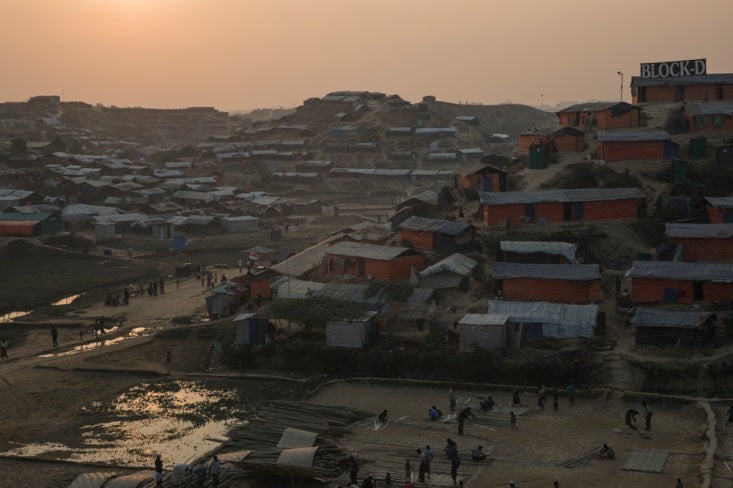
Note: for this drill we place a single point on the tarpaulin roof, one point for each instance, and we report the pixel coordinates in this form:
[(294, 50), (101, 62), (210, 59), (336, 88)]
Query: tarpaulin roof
[(565, 249), (670, 270), (650, 317), (23, 217), (712, 231), (634, 136), (484, 319), (720, 201), (306, 259), (355, 293), (568, 320), (455, 263), (368, 251), (594, 106), (572, 272), (435, 225)]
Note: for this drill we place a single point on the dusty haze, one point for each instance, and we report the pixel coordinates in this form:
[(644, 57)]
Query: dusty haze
[(240, 54)]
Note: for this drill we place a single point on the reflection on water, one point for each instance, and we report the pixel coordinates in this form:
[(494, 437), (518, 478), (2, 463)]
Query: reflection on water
[(9, 317), (181, 419), (66, 301)]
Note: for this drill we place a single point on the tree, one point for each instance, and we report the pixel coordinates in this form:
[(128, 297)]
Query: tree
[(18, 146), (315, 311)]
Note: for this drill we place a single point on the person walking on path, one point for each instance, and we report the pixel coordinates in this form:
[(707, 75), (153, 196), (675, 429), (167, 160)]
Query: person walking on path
[(555, 399), (512, 421), (571, 394), (4, 349), (647, 415), (452, 398), (158, 471), (353, 470), (168, 361), (455, 462), (421, 466), (428, 460), (214, 469), (54, 334)]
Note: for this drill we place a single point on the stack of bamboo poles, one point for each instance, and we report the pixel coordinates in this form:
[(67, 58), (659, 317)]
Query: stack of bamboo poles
[(584, 458)]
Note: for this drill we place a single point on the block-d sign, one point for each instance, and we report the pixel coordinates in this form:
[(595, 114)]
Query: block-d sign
[(673, 69)]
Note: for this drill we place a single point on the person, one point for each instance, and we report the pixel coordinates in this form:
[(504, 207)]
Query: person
[(571, 394), (555, 484), (452, 398), (730, 414), (679, 483), (512, 421), (512, 485), (408, 471), (428, 460), (214, 469), (647, 415), (161, 286), (388, 481), (555, 399), (383, 417), (158, 471), (368, 482), (168, 361), (434, 413), (516, 400), (478, 453), (353, 470), (607, 452), (240, 263), (487, 404), (462, 416), (199, 473), (630, 418), (451, 448), (4, 349), (421, 466), (454, 463), (54, 336)]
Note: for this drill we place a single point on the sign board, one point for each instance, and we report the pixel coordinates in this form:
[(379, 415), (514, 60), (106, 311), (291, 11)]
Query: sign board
[(673, 69)]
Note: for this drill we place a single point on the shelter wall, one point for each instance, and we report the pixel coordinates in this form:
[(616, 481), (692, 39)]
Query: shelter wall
[(569, 143), (652, 290), (551, 211), (559, 291), (713, 292), (526, 140), (396, 270), (605, 120), (261, 288), (418, 239), (622, 151), (611, 209), (719, 215), (699, 249), (491, 337), (708, 123)]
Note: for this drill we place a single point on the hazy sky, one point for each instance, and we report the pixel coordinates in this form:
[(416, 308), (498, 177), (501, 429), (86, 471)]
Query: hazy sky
[(244, 54)]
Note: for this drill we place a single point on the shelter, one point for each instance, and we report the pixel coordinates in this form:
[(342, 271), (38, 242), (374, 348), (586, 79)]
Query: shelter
[(483, 177), (382, 263), (352, 333), (422, 204), (564, 283), (487, 331), (250, 328), (243, 223), (27, 224), (600, 115), (702, 242), (631, 145), (539, 320), (453, 271), (564, 139), (429, 234), (669, 281), (708, 117), (223, 301), (537, 252), (693, 88), (720, 210), (666, 327), (571, 205)]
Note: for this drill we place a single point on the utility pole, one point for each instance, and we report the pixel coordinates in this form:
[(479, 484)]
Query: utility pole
[(621, 74)]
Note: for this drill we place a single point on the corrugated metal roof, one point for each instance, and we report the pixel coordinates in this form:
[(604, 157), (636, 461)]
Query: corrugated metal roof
[(23, 217), (571, 272), (568, 195), (711, 231), (306, 259), (712, 79), (368, 251), (710, 109), (670, 270), (564, 249), (455, 263), (651, 317), (428, 196), (593, 106), (720, 201), (634, 136), (548, 313), (355, 293), (434, 225), (436, 130), (484, 319)]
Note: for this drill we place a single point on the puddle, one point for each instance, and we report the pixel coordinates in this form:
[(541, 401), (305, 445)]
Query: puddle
[(66, 301), (101, 341), (181, 419), (9, 317)]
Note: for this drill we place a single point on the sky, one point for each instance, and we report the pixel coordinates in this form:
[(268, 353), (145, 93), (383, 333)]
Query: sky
[(247, 54)]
